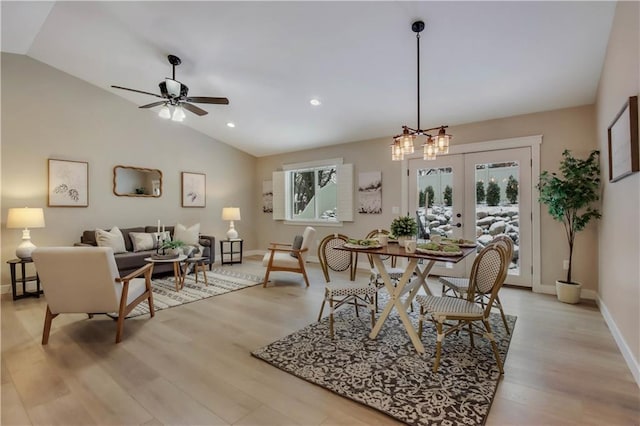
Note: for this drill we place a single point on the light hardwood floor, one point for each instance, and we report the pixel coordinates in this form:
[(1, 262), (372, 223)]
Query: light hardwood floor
[(192, 365)]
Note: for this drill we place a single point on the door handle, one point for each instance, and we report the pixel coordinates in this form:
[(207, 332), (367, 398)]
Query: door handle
[(458, 225), (458, 214)]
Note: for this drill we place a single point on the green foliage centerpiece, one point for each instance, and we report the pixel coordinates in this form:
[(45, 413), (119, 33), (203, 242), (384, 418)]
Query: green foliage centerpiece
[(570, 196), (404, 227)]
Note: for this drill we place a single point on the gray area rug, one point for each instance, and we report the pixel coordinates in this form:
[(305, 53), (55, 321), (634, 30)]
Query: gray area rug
[(220, 281), (389, 375)]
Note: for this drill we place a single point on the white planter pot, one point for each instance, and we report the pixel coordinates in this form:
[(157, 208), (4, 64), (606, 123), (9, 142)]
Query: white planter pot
[(403, 240), (568, 293)]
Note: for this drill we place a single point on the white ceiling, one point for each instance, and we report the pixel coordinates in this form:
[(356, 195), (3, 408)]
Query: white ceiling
[(480, 60)]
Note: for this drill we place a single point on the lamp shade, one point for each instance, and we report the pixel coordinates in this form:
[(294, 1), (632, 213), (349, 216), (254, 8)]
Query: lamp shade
[(25, 218), (231, 213)]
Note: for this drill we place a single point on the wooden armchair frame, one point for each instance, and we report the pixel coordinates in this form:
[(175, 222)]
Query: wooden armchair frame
[(86, 280)]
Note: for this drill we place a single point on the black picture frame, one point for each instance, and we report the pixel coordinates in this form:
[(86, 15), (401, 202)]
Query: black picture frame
[(622, 144)]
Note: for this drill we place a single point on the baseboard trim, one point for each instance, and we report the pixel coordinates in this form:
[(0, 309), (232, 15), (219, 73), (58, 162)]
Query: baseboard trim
[(632, 363)]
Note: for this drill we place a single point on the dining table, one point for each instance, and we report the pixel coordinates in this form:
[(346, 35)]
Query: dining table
[(419, 263)]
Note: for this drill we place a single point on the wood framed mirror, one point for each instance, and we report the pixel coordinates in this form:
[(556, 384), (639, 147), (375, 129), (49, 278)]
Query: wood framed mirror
[(129, 181)]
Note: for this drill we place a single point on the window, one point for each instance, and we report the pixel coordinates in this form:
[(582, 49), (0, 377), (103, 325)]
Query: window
[(319, 192)]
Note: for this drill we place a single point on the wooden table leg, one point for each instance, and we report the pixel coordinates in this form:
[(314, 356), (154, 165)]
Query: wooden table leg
[(420, 281), (178, 276), (395, 293), (203, 267)]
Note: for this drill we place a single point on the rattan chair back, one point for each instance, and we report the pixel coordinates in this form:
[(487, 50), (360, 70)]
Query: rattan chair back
[(336, 260)]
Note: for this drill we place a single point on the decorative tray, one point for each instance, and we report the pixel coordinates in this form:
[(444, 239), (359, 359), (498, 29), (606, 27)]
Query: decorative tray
[(358, 246), (438, 252), (164, 256)]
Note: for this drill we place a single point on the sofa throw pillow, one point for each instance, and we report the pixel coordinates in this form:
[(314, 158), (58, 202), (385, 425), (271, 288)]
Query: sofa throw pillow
[(142, 241), (297, 243), (112, 238), (189, 236)]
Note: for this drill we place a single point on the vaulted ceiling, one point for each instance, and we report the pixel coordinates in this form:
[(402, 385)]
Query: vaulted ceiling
[(479, 61)]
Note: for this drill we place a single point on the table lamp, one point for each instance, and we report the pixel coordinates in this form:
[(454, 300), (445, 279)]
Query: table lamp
[(25, 218), (231, 214)]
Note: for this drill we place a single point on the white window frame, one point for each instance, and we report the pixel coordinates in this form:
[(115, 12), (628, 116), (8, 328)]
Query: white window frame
[(282, 192)]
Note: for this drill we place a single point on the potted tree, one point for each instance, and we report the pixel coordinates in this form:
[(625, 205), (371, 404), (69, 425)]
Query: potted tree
[(570, 198), (404, 228)]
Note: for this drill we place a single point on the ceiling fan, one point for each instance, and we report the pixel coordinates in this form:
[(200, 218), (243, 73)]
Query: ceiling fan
[(175, 94)]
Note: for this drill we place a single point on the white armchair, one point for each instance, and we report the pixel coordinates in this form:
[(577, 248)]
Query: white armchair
[(284, 257), (86, 280)]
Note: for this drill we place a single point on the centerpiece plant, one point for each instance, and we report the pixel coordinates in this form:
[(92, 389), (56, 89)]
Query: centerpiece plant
[(570, 197), (404, 227)]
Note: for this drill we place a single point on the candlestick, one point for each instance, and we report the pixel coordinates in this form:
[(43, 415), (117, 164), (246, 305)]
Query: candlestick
[(158, 225)]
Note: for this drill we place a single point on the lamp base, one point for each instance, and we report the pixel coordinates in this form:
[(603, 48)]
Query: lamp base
[(24, 250), (232, 234)]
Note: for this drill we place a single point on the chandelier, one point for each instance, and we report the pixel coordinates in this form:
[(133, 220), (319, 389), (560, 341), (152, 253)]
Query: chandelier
[(433, 145)]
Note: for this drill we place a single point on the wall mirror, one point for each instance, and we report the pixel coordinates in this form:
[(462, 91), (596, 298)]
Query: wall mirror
[(131, 181)]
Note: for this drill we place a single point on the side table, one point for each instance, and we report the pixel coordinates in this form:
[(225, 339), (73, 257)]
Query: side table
[(24, 279), (231, 251), (177, 271)]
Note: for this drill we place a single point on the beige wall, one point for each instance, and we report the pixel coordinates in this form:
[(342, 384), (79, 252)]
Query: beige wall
[(619, 233), (49, 114), (571, 128)]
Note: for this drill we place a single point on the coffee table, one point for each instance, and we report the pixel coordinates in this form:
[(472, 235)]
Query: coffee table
[(177, 271)]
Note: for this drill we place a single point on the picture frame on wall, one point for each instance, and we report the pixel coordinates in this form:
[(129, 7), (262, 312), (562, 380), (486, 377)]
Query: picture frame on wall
[(194, 189), (267, 196), (68, 183), (370, 192), (622, 144)]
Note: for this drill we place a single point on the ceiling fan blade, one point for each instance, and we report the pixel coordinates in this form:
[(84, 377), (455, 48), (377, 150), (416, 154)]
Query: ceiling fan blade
[(194, 109), (137, 91), (208, 100), (151, 105)]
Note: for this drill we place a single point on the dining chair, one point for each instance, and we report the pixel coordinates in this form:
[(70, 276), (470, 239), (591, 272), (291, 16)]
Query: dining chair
[(86, 280), (286, 257), (458, 287), (338, 294), (336, 260), (487, 276)]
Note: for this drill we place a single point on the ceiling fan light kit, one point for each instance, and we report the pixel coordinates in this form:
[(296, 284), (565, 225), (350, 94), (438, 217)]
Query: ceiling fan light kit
[(175, 94), (403, 144)]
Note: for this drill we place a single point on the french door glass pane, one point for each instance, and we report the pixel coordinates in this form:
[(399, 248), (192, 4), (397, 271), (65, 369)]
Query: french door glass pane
[(435, 195), (497, 205)]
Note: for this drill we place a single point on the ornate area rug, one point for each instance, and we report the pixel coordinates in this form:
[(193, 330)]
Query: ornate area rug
[(220, 281), (389, 375)]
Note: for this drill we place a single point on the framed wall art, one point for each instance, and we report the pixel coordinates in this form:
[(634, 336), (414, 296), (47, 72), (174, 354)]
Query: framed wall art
[(624, 158), (267, 196), (68, 183), (193, 189), (370, 192)]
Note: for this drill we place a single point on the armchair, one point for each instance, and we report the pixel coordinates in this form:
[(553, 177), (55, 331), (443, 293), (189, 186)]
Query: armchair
[(86, 280), (284, 257)]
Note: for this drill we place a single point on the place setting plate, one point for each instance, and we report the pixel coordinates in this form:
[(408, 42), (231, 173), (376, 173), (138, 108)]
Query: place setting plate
[(438, 252), (460, 242), (358, 246)]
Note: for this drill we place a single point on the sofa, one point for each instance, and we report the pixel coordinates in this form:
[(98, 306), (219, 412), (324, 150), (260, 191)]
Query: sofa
[(131, 260)]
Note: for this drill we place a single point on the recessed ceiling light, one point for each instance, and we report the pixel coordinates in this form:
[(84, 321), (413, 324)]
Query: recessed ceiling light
[(315, 102), (230, 124)]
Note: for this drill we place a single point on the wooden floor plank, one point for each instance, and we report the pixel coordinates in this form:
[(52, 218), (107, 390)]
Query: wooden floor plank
[(192, 364)]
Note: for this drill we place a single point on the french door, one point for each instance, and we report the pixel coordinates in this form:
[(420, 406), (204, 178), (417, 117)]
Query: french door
[(476, 196)]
